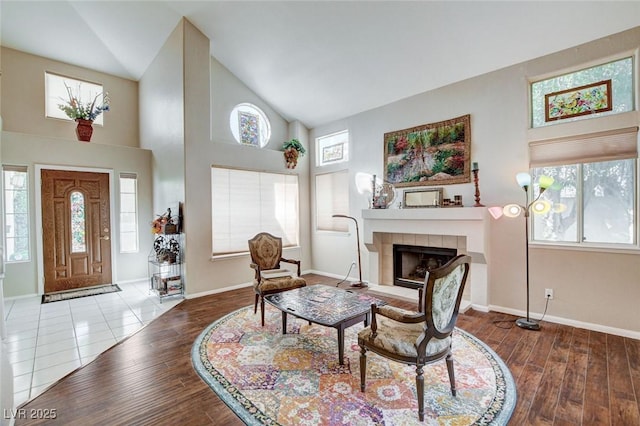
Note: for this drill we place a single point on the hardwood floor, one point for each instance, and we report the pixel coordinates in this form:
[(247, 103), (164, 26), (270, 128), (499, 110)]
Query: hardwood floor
[(564, 375)]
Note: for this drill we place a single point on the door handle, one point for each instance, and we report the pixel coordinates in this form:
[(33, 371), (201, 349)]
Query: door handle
[(106, 238)]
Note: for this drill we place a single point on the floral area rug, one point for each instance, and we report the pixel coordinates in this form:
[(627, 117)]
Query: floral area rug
[(269, 378)]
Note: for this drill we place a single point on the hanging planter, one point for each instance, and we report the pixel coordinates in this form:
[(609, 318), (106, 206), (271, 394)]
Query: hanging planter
[(292, 150)]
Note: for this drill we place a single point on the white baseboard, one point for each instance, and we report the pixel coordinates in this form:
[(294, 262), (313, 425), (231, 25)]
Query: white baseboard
[(217, 290), (566, 321)]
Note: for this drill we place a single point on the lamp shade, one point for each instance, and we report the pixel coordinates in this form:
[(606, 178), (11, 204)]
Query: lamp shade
[(512, 210), (545, 181), (496, 212), (524, 179), (541, 207)]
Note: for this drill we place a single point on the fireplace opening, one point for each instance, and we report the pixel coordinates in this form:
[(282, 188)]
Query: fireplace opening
[(411, 263)]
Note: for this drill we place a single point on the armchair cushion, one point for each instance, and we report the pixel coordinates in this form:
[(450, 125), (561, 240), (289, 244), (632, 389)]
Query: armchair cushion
[(280, 283), (400, 338)]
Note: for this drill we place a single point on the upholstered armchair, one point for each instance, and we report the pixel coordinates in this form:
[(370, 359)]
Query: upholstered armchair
[(421, 337), (266, 255)]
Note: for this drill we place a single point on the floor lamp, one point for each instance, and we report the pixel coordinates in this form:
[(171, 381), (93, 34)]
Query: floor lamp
[(357, 283), (514, 210)]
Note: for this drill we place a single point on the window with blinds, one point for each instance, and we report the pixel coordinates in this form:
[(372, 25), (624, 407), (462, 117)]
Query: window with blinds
[(593, 198), (332, 197), (128, 213), (16, 213), (246, 202)]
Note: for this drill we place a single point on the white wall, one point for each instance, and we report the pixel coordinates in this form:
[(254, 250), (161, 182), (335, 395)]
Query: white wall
[(587, 290), (161, 91), (184, 73)]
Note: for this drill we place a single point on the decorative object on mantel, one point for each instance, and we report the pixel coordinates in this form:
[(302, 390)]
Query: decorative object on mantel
[(292, 150), (456, 202), (430, 154), (475, 171), (84, 113), (514, 210), (418, 198), (382, 195)]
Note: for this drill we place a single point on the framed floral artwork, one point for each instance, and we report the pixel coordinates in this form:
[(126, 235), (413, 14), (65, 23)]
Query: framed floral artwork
[(430, 154), (582, 100)]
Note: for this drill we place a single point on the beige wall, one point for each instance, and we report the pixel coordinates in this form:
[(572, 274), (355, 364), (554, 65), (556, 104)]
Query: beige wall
[(23, 100), (31, 139), (31, 150), (593, 289)]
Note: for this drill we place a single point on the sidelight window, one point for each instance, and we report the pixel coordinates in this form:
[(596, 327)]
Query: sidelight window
[(16, 213)]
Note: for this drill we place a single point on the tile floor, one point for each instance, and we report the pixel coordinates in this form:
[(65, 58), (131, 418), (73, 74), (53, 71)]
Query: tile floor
[(46, 342)]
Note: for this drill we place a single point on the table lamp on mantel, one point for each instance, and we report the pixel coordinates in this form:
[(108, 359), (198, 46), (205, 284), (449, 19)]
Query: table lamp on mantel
[(360, 283)]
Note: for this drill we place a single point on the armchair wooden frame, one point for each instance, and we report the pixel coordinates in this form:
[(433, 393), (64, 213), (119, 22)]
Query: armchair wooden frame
[(266, 254), (419, 352)]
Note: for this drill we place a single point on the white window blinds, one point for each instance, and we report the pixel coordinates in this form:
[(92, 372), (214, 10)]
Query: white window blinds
[(610, 145), (332, 197), (245, 203)]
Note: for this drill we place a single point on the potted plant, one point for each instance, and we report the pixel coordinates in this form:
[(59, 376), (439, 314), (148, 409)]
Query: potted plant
[(292, 150), (84, 112)]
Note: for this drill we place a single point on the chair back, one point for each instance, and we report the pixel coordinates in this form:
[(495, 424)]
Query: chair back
[(266, 250), (442, 291)]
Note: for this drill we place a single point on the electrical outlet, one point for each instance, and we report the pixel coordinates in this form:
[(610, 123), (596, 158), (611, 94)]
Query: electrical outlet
[(548, 293)]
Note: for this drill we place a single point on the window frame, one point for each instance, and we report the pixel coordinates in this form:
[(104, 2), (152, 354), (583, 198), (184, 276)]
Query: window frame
[(89, 89), (136, 231), (27, 213), (579, 242), (332, 139), (264, 124), (242, 248), (585, 67), (338, 226)]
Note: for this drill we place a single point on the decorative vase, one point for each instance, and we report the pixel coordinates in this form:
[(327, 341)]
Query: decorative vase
[(84, 129)]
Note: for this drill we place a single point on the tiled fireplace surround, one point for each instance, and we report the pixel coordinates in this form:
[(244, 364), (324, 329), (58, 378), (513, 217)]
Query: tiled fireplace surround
[(459, 228)]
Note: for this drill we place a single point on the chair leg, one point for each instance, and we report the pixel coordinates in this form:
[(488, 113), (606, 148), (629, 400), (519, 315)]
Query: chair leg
[(420, 391), (363, 368), (255, 304), (262, 309), (452, 378)]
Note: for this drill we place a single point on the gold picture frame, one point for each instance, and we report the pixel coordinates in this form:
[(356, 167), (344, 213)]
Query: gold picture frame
[(430, 154)]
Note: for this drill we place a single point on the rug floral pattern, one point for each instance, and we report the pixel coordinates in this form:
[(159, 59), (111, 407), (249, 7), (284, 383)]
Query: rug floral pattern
[(269, 378)]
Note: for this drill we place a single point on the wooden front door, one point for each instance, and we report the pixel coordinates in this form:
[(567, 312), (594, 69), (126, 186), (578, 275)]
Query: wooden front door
[(76, 227)]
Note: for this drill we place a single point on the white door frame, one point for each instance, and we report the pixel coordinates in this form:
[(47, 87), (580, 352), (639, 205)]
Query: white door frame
[(38, 194)]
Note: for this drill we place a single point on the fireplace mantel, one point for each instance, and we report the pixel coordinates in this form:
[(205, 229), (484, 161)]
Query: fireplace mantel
[(442, 213), (469, 222)]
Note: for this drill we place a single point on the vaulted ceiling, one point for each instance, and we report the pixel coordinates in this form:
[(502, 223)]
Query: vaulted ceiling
[(317, 61)]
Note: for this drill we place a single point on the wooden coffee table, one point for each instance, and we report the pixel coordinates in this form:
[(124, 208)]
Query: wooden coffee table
[(327, 306)]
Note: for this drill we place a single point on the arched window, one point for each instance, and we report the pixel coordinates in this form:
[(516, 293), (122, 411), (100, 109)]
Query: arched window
[(249, 125)]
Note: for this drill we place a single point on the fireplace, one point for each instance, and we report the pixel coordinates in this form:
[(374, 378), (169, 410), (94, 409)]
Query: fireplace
[(411, 263)]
